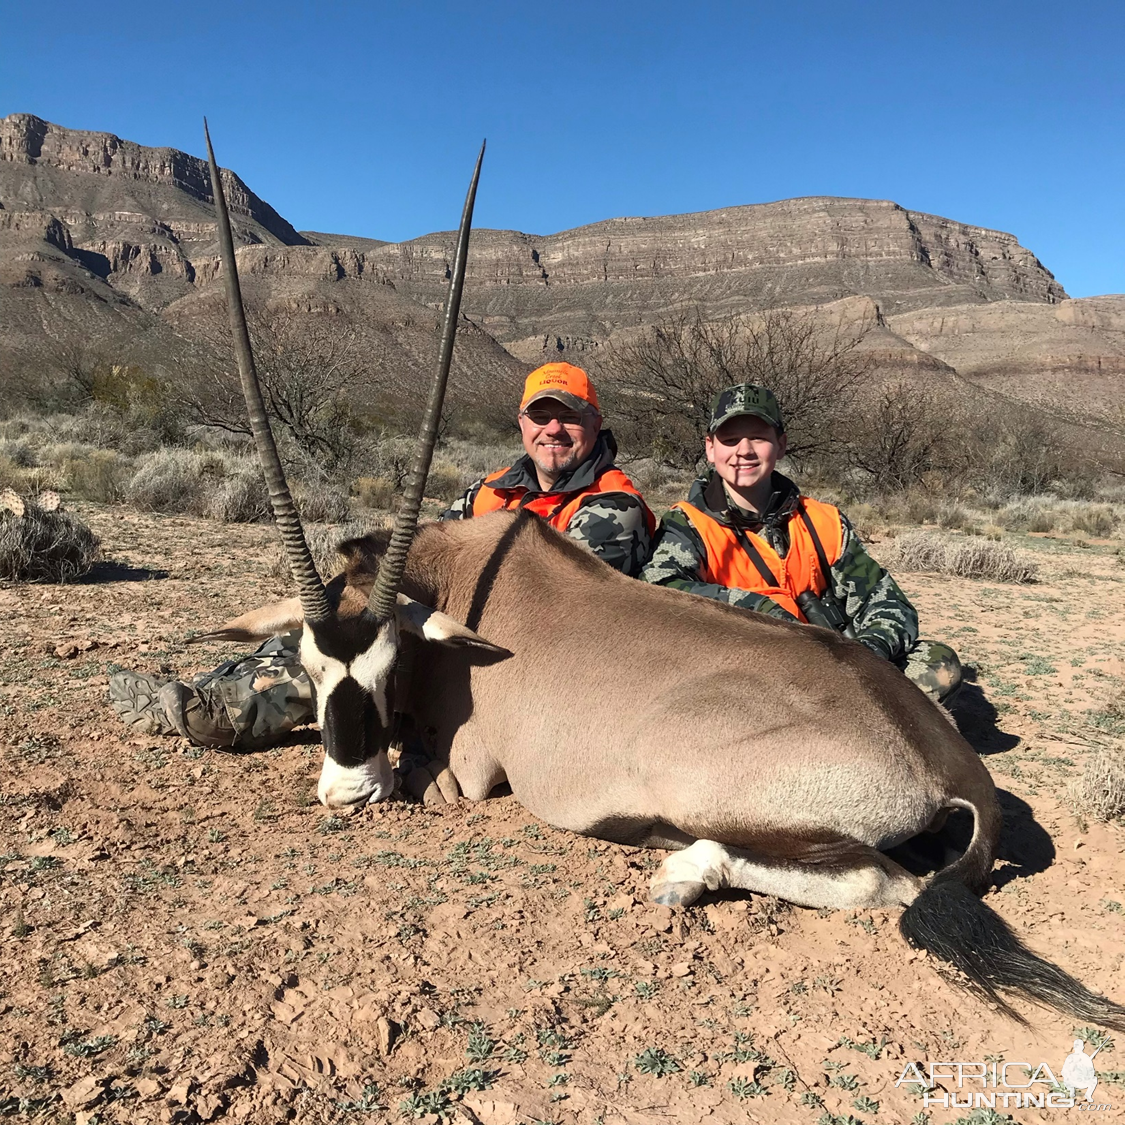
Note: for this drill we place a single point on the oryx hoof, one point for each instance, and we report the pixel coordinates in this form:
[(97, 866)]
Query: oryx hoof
[(676, 894), (420, 783)]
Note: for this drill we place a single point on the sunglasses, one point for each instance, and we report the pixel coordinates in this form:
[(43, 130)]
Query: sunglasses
[(543, 415)]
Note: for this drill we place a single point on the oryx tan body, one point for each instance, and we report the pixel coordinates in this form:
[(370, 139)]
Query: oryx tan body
[(647, 716)]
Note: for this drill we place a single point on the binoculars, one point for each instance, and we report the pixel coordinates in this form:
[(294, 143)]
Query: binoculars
[(826, 612)]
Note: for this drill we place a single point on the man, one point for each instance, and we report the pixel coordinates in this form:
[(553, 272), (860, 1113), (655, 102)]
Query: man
[(566, 477), (746, 536)]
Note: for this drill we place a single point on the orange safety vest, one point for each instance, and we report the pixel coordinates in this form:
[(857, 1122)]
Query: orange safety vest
[(557, 508), (728, 564)]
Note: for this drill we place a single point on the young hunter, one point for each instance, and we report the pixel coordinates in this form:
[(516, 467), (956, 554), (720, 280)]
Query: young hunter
[(566, 477), (746, 536)]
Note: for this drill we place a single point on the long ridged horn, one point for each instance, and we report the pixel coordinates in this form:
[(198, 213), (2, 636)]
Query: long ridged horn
[(382, 601), (314, 601)]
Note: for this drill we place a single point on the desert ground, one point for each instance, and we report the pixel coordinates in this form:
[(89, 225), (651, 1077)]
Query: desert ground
[(186, 935)]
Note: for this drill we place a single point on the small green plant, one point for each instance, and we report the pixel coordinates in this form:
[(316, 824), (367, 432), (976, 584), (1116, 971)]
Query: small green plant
[(465, 1081), (699, 1078), (645, 989), (421, 1105), (1095, 1038), (743, 1088), (866, 1105), (73, 1044), (872, 1050), (480, 1046), (369, 1101), (37, 1074), (656, 1061)]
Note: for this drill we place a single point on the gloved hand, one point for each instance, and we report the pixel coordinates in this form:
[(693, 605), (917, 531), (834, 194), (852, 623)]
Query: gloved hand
[(876, 643)]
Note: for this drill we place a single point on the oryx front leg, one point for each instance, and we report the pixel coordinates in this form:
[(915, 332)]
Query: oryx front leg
[(860, 878)]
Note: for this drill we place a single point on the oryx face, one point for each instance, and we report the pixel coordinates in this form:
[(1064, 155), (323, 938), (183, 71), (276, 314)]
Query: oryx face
[(351, 664), (350, 659)]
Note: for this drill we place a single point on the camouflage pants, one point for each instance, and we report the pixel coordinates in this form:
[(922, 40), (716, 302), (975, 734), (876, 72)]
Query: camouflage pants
[(264, 695), (935, 668)]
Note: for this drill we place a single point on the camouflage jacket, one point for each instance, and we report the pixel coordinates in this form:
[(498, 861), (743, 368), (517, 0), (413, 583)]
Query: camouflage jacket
[(879, 611), (611, 524)]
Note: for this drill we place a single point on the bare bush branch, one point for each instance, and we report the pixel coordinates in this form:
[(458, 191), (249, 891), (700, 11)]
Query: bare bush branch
[(660, 384), (309, 367)]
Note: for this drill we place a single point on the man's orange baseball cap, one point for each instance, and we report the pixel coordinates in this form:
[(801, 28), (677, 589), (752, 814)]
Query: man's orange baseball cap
[(563, 381)]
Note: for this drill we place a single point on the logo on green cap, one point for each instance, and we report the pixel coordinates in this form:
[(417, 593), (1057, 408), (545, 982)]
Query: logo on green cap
[(745, 398)]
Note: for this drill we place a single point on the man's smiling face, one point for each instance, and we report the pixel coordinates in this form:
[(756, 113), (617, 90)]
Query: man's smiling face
[(557, 437)]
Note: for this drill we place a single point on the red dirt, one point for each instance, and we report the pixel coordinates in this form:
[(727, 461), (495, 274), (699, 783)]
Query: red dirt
[(187, 936)]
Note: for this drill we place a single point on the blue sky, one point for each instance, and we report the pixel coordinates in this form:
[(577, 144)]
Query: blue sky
[(364, 118)]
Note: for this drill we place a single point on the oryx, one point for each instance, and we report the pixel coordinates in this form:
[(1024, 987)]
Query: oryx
[(769, 756)]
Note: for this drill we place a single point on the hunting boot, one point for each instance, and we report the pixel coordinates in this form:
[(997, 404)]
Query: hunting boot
[(136, 700), (154, 705), (199, 716)]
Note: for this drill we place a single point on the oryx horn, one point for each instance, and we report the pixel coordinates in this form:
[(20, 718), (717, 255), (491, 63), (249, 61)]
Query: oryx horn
[(314, 601), (383, 596)]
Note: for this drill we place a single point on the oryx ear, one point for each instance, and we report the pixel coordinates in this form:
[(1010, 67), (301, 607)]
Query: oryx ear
[(269, 621), (432, 625)]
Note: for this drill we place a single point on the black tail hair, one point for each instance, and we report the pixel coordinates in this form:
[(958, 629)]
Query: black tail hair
[(950, 922)]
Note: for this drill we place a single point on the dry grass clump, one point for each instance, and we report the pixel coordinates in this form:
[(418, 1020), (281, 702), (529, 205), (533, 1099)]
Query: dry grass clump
[(376, 492), (1096, 520), (962, 558), (323, 503), (446, 482), (97, 474), (240, 499), (1099, 792), (45, 546), (211, 484), (323, 541)]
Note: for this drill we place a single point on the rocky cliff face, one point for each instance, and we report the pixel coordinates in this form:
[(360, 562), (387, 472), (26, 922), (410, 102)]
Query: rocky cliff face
[(581, 285), (102, 238), (35, 152)]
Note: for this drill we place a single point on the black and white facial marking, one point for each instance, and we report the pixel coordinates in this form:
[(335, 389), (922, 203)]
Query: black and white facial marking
[(350, 661)]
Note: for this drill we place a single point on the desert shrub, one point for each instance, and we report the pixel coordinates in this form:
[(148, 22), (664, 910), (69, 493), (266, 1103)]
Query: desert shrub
[(376, 492), (1029, 513), (12, 475), (41, 546), (168, 480), (322, 504), (1097, 520), (241, 498), (323, 539), (953, 517), (445, 482), (189, 482), (476, 459), (1099, 791), (19, 452), (912, 507), (962, 558), (98, 474)]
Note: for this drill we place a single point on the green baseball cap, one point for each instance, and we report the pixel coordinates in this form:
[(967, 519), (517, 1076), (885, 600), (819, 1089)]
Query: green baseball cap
[(745, 398)]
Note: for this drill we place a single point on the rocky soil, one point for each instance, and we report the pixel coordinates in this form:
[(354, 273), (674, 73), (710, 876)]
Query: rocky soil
[(186, 935)]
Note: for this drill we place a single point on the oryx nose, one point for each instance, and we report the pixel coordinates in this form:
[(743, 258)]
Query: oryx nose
[(344, 786)]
